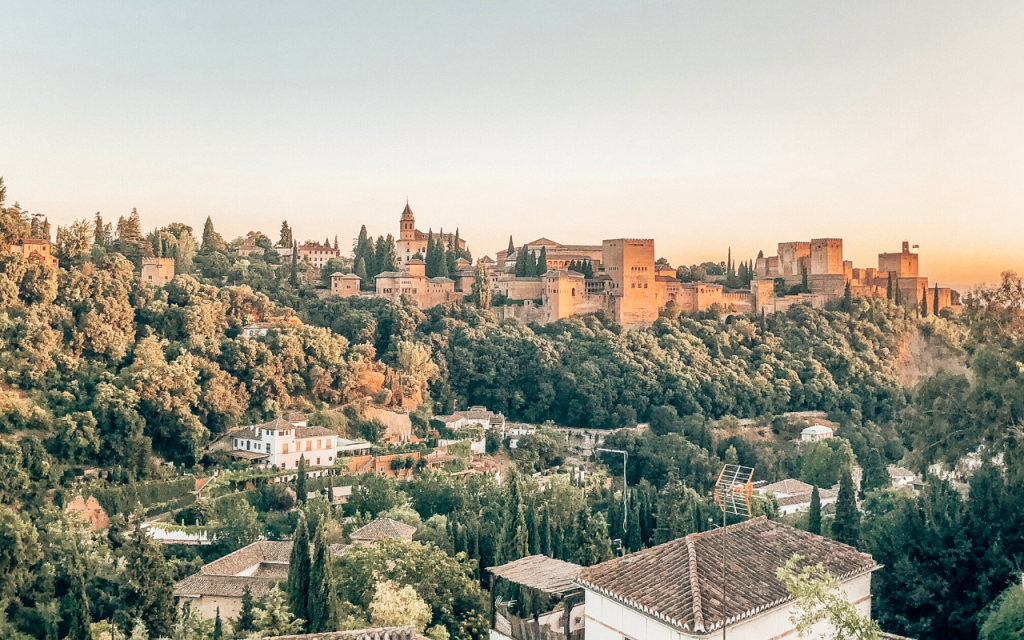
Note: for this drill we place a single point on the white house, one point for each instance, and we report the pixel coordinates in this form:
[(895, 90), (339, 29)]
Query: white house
[(517, 430), (475, 416), (815, 433), (281, 443), (674, 591), (348, 447), (901, 477), (793, 495)]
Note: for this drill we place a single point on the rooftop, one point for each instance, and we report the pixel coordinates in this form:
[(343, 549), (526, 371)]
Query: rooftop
[(383, 528), (680, 582), (541, 573)]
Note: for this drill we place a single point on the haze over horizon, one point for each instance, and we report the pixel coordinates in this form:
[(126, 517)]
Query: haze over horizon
[(703, 126)]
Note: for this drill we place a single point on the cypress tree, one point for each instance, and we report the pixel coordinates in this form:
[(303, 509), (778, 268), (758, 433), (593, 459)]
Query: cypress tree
[(147, 590), (542, 261), (846, 527), (431, 258), (803, 282), (897, 295), (521, 263), (924, 303), (534, 529), (218, 627), (847, 299), (360, 271), (75, 609), (299, 566), (588, 270), (322, 602), (335, 242), (300, 483), (212, 241), (531, 265), (511, 248), (888, 287), (594, 544), (457, 245), (246, 620), (935, 307), (814, 517), (634, 538), (545, 533), (449, 263)]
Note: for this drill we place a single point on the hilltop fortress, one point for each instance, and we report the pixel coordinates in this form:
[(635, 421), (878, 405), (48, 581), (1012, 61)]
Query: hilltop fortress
[(624, 279)]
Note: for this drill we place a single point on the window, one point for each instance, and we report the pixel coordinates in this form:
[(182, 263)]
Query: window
[(318, 461)]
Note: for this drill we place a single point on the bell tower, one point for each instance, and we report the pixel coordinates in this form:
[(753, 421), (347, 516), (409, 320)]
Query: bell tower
[(408, 231)]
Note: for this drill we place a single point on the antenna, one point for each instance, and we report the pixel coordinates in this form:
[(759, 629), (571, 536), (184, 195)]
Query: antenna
[(732, 493), (625, 495)]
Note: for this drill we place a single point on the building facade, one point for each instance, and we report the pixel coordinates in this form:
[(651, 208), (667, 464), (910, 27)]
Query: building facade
[(157, 271), (281, 443), (412, 241), (34, 248)]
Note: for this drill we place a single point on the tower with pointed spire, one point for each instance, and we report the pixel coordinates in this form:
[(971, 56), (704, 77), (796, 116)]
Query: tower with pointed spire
[(408, 230), (412, 241)]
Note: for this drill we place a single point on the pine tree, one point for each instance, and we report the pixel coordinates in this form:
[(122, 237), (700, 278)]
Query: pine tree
[(594, 544), (299, 566), (846, 527), (542, 261), (246, 621), (814, 517), (218, 627), (322, 602)]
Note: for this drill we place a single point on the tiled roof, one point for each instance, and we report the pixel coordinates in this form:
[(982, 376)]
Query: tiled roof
[(379, 633), (312, 432), (680, 582), (805, 498), (383, 528), (540, 572), (199, 584), (294, 416), (787, 487), (264, 551)]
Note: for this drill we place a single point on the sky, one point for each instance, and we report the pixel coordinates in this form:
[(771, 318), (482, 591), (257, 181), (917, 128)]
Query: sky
[(703, 125)]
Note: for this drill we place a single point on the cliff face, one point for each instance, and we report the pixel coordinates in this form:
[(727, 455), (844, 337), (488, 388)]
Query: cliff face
[(924, 355)]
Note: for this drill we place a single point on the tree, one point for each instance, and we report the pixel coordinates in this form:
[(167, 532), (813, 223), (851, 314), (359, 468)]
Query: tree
[(935, 301), (846, 526), (924, 303), (542, 262), (246, 620), (888, 287), (594, 545), (1005, 619), (299, 567), (386, 254), (482, 291), (300, 480), (73, 241), (322, 602), (876, 475), (360, 271), (218, 627), (274, 618), (240, 524), (286, 235), (825, 460), (511, 249), (530, 267), (147, 589), (819, 598), (847, 298), (212, 241), (396, 606), (665, 419), (814, 517)]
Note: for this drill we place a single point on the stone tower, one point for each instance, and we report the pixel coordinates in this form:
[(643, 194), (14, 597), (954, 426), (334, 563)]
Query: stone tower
[(408, 231)]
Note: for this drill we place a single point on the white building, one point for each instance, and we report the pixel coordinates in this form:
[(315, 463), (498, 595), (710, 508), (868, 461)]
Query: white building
[(348, 447), (815, 433), (475, 416), (281, 443), (517, 430), (901, 477), (673, 591), (793, 495)]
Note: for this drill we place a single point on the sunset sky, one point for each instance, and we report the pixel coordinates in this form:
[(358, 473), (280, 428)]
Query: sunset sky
[(703, 125)]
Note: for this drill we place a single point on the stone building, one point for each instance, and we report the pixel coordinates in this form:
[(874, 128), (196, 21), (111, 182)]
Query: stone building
[(249, 248), (558, 255), (157, 271), (412, 241), (30, 247), (413, 282), (345, 285)]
